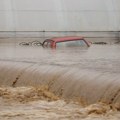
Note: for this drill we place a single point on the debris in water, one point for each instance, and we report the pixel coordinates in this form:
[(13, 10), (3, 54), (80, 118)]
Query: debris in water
[(39, 103), (26, 94)]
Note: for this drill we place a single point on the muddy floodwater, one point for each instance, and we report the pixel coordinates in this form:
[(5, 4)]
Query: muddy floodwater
[(59, 84)]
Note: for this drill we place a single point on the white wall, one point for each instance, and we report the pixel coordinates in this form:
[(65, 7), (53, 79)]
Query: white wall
[(59, 15)]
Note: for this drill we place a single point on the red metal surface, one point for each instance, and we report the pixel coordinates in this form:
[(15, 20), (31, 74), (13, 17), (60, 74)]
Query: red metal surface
[(61, 39)]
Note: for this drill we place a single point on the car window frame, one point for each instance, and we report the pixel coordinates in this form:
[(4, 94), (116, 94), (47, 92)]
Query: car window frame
[(72, 40), (48, 41)]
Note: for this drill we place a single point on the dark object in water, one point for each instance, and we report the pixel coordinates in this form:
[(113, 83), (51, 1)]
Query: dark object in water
[(25, 43), (37, 43), (118, 42), (101, 43)]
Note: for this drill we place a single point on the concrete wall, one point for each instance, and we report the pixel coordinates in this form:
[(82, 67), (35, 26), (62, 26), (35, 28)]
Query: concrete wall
[(21, 16)]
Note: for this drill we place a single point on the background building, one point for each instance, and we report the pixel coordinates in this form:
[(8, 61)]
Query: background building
[(46, 18)]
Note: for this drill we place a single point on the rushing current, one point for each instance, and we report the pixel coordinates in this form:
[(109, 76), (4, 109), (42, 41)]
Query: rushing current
[(90, 76)]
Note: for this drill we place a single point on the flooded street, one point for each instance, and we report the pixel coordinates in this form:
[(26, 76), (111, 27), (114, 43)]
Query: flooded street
[(97, 57), (61, 84)]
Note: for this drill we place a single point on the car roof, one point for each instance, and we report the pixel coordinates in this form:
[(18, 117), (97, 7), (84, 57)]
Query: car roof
[(59, 39)]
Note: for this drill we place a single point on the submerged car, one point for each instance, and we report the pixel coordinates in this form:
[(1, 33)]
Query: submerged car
[(66, 42)]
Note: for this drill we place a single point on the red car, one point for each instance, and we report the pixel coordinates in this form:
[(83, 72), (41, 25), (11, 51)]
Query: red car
[(66, 42)]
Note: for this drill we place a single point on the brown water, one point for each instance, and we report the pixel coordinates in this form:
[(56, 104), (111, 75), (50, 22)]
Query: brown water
[(39, 83)]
